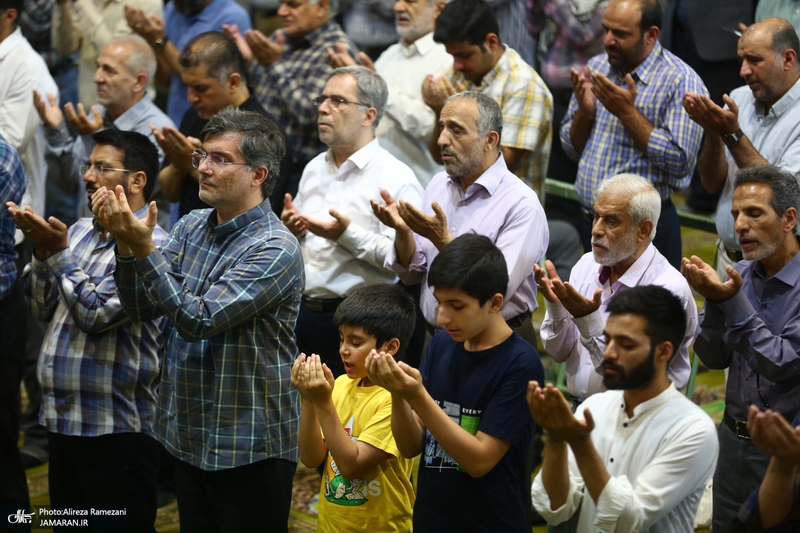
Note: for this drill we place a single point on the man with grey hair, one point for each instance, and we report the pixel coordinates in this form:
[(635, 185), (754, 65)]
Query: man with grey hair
[(344, 245), (404, 66), (125, 67), (626, 212), (229, 281), (751, 325), (475, 194)]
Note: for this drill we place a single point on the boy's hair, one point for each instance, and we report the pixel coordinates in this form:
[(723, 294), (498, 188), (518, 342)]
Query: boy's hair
[(384, 311), (666, 318), (472, 264)]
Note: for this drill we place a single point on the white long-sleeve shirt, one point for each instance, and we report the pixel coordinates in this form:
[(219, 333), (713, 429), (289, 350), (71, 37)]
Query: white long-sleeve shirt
[(579, 341), (336, 268), (659, 460), (407, 124)]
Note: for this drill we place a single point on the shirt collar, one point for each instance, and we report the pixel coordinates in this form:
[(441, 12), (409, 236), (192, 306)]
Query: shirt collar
[(490, 76), (360, 158), (666, 395), (210, 13), (490, 180), (129, 119), (421, 46), (786, 102), (789, 274), (237, 223), (10, 42), (635, 272), (311, 36), (646, 69)]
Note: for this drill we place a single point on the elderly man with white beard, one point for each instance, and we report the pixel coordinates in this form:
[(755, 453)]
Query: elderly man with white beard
[(626, 212)]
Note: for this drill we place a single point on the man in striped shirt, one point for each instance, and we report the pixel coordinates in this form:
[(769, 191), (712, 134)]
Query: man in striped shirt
[(98, 369), (626, 117), (229, 281)]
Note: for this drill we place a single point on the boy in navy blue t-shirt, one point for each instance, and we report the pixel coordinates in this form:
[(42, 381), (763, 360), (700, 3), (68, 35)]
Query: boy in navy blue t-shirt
[(465, 408)]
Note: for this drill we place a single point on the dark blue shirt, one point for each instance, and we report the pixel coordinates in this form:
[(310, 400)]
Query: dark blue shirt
[(481, 391), (12, 185)]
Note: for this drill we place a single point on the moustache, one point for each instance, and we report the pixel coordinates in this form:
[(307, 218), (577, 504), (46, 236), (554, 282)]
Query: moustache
[(606, 365)]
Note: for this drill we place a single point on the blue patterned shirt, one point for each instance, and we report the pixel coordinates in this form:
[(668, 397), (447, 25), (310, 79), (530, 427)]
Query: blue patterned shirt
[(661, 81), (12, 186), (98, 369), (231, 292)]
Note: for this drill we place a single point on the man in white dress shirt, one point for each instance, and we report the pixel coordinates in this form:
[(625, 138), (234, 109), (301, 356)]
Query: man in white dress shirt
[(641, 452), (405, 65), (344, 245), (21, 70), (626, 213)]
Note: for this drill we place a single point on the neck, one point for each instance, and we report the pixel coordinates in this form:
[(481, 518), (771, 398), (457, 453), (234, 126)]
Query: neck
[(620, 268), (240, 96), (496, 332), (636, 397), (785, 253), (408, 41), (114, 111), (342, 153), (6, 31), (224, 213), (471, 178)]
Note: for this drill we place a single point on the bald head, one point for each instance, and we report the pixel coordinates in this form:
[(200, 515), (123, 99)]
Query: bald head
[(768, 52), (781, 35), (649, 10)]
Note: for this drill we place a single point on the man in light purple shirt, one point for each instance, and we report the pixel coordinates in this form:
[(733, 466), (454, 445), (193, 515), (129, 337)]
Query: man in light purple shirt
[(476, 193), (626, 213)]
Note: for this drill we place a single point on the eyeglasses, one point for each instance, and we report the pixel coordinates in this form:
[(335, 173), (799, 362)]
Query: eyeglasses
[(100, 169), (335, 101), (198, 156)]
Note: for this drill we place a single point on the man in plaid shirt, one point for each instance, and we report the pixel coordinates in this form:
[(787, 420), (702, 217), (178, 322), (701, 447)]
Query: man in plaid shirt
[(229, 281), (626, 117), (291, 69), (97, 368)]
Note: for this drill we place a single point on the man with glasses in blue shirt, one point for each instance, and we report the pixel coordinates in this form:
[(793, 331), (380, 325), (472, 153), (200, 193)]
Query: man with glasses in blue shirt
[(98, 369), (229, 281)]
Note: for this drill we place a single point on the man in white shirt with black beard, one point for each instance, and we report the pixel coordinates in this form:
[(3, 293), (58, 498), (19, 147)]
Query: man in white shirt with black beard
[(405, 65), (642, 452), (344, 245)]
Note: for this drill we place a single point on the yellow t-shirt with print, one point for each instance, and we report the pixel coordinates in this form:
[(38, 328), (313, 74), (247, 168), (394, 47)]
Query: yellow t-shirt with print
[(383, 502)]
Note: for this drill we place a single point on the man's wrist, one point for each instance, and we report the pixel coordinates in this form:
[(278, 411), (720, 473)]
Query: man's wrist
[(143, 250)]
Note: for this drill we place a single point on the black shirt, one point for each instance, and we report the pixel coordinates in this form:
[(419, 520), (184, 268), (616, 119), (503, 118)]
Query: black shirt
[(192, 126)]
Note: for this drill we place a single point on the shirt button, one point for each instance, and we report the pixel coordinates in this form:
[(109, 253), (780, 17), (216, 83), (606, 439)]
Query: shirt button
[(612, 459), (625, 425)]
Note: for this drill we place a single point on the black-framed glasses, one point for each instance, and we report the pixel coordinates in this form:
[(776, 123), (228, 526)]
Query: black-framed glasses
[(335, 101), (198, 156), (100, 169)]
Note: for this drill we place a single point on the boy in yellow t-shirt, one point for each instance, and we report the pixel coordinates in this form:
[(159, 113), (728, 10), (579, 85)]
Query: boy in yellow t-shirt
[(347, 422)]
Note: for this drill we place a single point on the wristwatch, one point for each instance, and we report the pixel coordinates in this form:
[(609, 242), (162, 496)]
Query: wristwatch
[(162, 42), (732, 139)]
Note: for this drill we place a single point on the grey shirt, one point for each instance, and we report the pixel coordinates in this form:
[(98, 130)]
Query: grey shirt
[(775, 135), (65, 155), (757, 335)]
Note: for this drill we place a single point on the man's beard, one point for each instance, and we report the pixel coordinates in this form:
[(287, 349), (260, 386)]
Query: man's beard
[(623, 249), (641, 375)]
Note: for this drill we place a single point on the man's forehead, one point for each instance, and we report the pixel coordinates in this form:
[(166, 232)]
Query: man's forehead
[(625, 325), (753, 193), (197, 75), (106, 152), (611, 201), (463, 111), (623, 15), (227, 142), (755, 41), (343, 85)]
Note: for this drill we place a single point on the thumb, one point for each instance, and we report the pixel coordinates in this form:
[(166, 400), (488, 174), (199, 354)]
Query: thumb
[(598, 297), (460, 87), (335, 214), (438, 211), (631, 83), (328, 374), (341, 48), (386, 196), (287, 201), (736, 278), (366, 61), (96, 113), (57, 224), (589, 419), (152, 216), (279, 39), (52, 99)]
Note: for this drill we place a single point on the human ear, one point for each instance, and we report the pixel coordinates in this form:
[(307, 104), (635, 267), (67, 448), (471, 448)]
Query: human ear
[(137, 182), (391, 346)]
